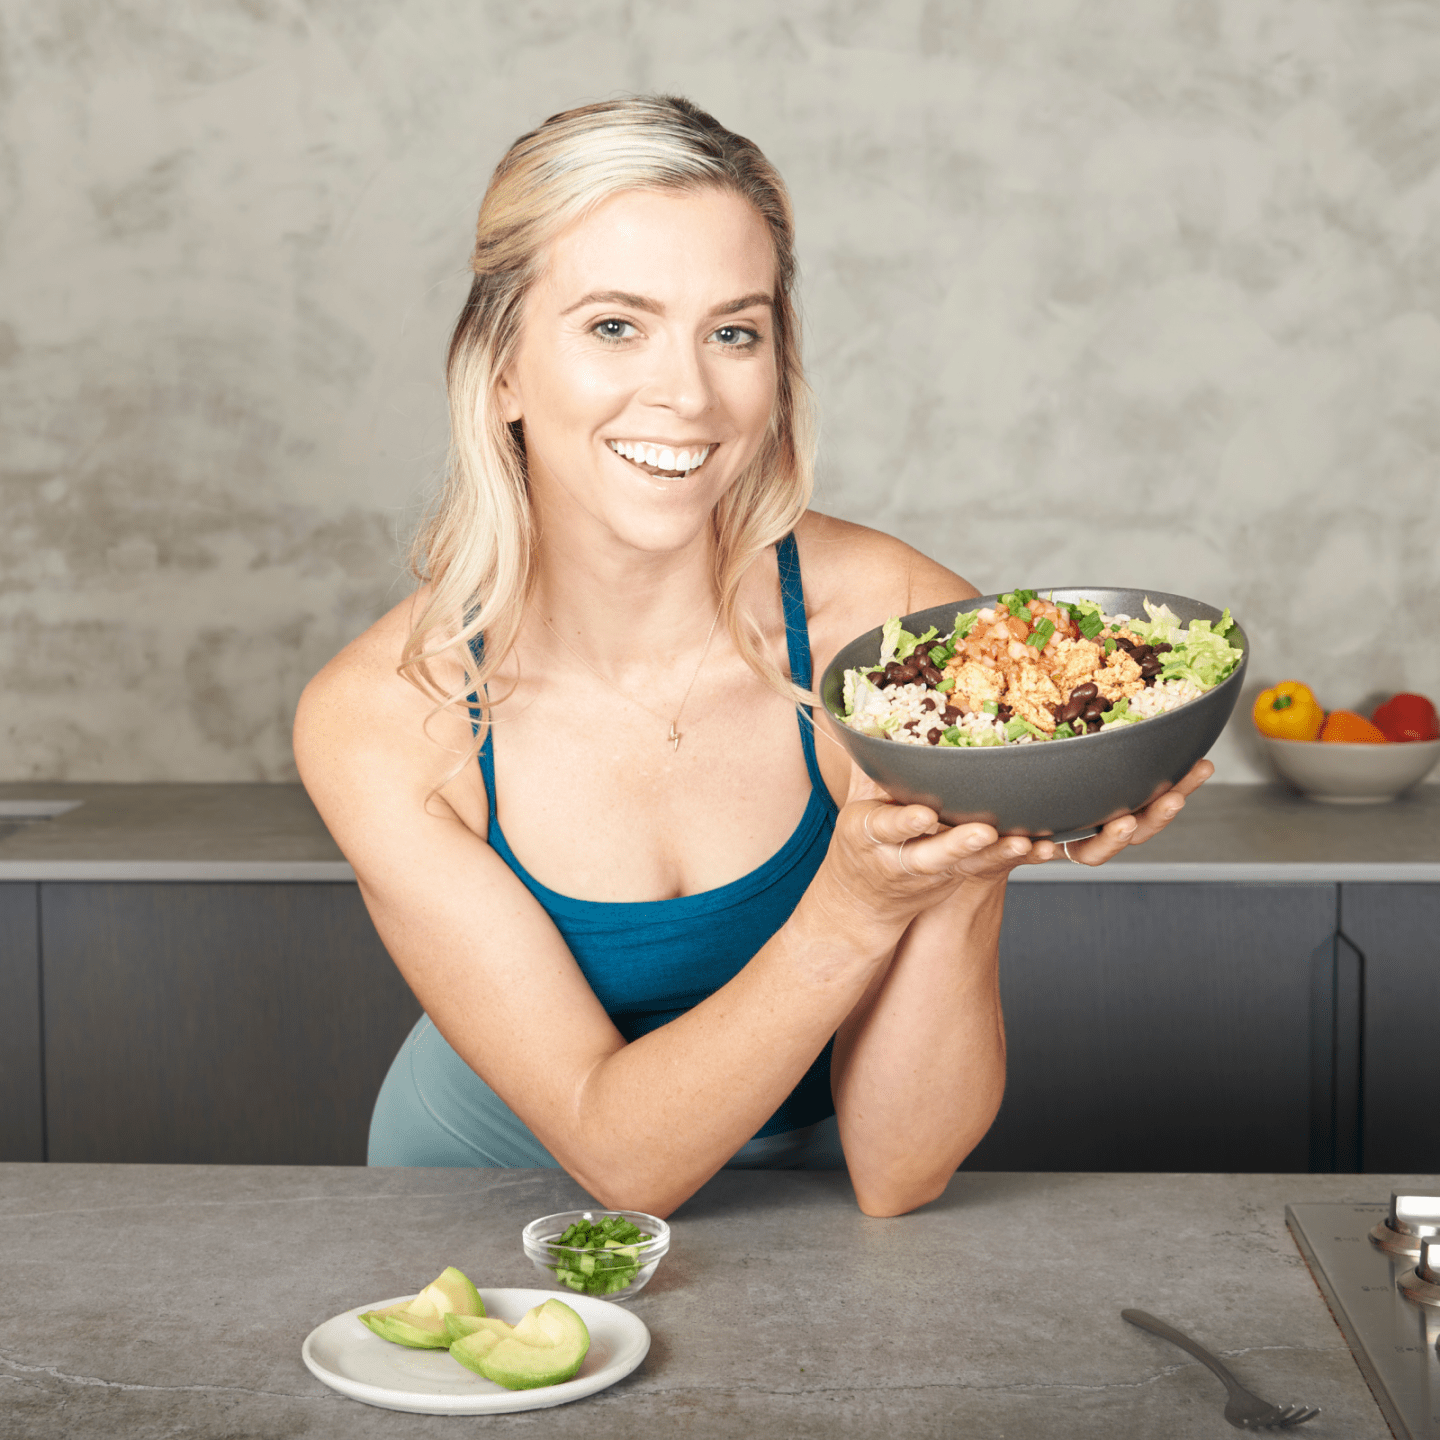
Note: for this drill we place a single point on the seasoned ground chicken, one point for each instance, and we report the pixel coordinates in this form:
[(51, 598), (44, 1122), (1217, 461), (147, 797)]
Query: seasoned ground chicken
[(974, 684), (1121, 676), (1076, 661), (1032, 692)]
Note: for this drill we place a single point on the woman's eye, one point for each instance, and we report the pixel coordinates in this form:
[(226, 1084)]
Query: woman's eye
[(614, 330), (736, 336)]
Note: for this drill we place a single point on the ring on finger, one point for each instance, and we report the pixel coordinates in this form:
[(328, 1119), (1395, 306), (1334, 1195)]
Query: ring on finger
[(900, 855), (1065, 846), (869, 833)]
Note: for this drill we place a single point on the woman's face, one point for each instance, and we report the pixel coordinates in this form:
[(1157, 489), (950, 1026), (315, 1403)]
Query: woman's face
[(646, 371)]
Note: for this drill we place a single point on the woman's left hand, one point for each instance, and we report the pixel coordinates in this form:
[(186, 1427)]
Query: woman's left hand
[(1143, 825)]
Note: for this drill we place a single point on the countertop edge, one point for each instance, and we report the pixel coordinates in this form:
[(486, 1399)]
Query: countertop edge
[(1057, 872)]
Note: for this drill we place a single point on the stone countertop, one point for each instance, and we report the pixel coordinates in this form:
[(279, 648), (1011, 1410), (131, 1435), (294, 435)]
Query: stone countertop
[(160, 1300), (272, 832)]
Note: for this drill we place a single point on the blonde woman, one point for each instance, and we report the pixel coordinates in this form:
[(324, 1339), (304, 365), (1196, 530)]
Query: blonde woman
[(658, 923)]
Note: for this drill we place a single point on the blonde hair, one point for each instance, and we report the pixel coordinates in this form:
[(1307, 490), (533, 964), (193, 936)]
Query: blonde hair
[(476, 549)]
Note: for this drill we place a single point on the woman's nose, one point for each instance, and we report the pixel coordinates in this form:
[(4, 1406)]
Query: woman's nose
[(679, 380)]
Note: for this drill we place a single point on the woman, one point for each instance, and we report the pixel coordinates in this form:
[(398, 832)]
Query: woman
[(634, 889)]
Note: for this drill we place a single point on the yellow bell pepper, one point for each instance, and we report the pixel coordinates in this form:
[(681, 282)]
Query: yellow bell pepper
[(1288, 711)]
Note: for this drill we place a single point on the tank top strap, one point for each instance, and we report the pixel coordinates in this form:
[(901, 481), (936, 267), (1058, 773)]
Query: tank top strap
[(797, 643), (487, 750)]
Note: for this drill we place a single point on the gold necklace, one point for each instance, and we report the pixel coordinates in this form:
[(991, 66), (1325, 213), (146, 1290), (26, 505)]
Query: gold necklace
[(675, 736)]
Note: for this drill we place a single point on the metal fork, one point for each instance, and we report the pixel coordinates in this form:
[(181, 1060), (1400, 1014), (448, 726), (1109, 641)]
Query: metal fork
[(1243, 1409)]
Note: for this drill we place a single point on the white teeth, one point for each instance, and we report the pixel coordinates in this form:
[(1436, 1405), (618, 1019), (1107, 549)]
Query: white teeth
[(660, 457)]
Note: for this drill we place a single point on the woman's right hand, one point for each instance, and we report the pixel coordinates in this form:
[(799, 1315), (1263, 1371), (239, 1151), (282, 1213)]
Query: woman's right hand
[(888, 862)]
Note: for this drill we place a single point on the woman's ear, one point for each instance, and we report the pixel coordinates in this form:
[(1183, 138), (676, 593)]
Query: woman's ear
[(507, 395)]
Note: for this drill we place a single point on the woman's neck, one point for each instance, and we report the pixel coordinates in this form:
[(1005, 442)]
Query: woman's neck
[(618, 601)]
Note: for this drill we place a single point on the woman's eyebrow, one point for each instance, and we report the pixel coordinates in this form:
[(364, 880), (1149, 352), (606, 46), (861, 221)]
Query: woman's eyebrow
[(654, 307)]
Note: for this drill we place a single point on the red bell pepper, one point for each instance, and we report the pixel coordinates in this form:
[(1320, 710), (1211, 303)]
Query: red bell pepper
[(1408, 717)]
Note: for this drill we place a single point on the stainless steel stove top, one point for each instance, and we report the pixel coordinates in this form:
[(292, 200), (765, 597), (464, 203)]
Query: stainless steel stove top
[(1377, 1268)]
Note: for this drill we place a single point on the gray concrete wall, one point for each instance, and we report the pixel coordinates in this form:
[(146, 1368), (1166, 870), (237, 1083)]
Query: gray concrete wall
[(1096, 292)]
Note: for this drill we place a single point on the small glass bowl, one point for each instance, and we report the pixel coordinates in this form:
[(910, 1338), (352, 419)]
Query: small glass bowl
[(539, 1238)]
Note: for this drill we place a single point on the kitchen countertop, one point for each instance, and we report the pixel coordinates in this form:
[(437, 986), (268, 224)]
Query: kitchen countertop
[(160, 1300), (272, 833)]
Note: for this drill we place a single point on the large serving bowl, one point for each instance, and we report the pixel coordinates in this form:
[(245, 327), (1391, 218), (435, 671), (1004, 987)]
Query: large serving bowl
[(1062, 789), (1350, 772)]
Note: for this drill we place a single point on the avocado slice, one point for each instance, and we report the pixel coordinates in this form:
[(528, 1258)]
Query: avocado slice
[(547, 1346), (420, 1323), (457, 1327)]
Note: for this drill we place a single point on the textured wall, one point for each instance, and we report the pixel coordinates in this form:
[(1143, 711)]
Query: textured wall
[(1125, 294)]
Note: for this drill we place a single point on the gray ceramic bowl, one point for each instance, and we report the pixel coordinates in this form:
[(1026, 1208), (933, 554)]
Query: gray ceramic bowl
[(1066, 789)]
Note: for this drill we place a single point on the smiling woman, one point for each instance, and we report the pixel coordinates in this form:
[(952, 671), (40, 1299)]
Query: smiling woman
[(642, 959)]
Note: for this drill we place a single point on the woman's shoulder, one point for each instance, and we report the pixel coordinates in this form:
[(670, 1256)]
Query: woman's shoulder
[(856, 577), (360, 716)]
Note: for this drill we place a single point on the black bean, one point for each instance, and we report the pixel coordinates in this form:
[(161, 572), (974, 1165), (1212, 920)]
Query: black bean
[(1088, 691), (1162, 647), (907, 672), (1004, 713), (949, 714), (933, 735), (892, 672), (877, 677), (1106, 704), (927, 703), (931, 674), (1094, 726)]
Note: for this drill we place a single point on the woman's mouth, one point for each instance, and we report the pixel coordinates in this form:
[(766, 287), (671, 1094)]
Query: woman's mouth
[(662, 460)]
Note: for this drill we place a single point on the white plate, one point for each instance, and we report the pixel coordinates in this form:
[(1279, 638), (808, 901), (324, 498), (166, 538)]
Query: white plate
[(351, 1359)]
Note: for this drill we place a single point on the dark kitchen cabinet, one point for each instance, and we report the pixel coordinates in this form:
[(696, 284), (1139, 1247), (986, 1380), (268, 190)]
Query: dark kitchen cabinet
[(241, 1023), (1163, 1027), (22, 1133), (1245, 1027), (1395, 929)]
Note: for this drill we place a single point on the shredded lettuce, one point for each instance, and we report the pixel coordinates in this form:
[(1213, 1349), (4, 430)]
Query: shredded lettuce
[(1119, 714), (1163, 626), (907, 642), (865, 704), (890, 640), (964, 624)]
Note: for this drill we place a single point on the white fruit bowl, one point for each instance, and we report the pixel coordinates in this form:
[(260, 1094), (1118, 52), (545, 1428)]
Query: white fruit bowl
[(1351, 772), (541, 1239)]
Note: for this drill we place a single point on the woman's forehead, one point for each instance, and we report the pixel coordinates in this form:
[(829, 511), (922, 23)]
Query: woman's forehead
[(686, 250)]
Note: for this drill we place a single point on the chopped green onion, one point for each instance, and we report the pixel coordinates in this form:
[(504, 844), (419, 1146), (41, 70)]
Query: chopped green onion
[(1090, 623), (1040, 636), (1064, 732), (1109, 647), (1023, 613), (946, 685), (1015, 728), (991, 707), (952, 735)]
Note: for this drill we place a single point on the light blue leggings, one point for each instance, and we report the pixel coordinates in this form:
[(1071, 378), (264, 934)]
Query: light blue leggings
[(433, 1109)]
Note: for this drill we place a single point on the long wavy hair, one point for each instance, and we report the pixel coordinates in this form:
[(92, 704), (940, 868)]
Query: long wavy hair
[(476, 549)]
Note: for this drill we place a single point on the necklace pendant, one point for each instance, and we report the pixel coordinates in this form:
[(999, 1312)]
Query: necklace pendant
[(674, 737)]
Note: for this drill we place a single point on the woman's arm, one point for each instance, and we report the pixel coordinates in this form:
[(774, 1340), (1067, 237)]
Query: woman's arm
[(919, 1064), (641, 1125)]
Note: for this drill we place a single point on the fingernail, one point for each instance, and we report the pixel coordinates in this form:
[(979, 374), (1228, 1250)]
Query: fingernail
[(1127, 827), (975, 842)]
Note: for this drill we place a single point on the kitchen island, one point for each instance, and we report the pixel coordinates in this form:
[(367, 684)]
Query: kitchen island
[(163, 1300), (188, 975)]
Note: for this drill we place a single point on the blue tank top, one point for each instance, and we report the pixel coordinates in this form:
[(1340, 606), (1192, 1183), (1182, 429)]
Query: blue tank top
[(649, 961)]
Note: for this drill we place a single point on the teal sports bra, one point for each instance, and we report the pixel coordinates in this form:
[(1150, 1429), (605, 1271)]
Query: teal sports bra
[(649, 961)]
